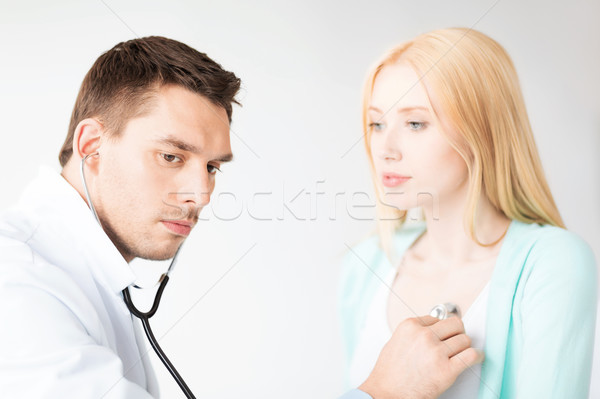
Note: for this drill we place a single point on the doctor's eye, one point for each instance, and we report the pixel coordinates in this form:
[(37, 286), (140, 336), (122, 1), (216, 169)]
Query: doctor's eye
[(170, 158), (413, 125), (212, 169), (376, 126)]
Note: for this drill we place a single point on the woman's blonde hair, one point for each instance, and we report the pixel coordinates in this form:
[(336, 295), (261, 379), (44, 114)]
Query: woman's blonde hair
[(478, 92)]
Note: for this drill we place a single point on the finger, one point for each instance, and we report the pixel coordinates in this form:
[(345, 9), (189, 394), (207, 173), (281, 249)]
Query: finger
[(427, 320), (448, 328), (465, 359), (456, 344)]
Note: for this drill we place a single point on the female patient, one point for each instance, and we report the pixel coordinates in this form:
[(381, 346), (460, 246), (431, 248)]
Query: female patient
[(446, 131)]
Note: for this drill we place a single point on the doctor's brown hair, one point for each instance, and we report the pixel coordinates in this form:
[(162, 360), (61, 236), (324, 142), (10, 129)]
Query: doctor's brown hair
[(124, 80)]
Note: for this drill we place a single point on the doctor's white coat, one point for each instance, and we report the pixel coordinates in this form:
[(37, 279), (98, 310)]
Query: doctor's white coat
[(65, 331)]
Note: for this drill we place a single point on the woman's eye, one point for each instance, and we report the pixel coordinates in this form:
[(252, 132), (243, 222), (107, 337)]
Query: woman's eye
[(376, 126), (170, 158), (416, 125), (212, 169)]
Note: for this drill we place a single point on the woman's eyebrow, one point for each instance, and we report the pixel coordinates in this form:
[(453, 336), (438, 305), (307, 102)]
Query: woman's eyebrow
[(413, 108), (401, 110)]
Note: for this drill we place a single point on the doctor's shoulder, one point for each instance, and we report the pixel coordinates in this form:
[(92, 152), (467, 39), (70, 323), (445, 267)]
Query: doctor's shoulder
[(15, 230), (21, 268)]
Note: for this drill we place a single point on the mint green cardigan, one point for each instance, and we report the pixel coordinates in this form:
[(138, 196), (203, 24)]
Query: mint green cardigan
[(541, 310)]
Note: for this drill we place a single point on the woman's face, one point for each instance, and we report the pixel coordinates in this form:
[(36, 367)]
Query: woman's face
[(414, 163)]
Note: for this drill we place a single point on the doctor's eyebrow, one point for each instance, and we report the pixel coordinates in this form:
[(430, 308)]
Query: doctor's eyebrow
[(184, 146)]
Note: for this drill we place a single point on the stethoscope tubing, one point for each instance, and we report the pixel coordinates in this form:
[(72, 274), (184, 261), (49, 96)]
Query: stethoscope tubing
[(145, 316)]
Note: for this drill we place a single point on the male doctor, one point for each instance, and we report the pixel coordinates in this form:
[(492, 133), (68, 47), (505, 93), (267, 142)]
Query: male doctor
[(151, 125)]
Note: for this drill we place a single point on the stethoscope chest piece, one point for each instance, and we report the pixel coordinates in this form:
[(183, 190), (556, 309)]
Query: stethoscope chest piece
[(445, 310)]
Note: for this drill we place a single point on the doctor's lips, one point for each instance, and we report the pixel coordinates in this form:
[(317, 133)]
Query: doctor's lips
[(394, 179), (180, 227)]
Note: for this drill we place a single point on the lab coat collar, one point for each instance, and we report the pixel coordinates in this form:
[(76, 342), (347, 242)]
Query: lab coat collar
[(67, 233)]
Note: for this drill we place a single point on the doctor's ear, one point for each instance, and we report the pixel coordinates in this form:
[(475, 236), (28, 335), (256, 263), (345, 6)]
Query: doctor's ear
[(86, 138)]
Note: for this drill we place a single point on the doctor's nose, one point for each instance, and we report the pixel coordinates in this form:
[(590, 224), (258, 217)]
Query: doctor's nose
[(198, 194), (193, 193), (197, 199)]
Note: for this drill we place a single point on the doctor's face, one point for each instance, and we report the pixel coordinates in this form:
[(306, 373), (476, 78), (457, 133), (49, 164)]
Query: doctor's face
[(415, 165), (158, 174)]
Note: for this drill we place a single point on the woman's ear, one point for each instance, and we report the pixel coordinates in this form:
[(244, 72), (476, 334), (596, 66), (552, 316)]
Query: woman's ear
[(86, 138)]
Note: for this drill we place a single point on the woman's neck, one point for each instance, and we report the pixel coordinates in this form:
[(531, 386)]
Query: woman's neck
[(447, 244)]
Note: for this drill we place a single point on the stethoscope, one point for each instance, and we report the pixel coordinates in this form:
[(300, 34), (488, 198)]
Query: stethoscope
[(145, 316), (445, 310)]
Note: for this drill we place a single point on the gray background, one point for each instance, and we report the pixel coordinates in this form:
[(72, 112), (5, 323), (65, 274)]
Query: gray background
[(251, 308)]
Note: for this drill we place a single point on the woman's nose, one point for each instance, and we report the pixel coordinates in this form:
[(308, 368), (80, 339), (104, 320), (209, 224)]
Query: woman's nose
[(390, 146)]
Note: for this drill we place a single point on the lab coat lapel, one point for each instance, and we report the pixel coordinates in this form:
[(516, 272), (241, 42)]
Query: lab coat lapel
[(69, 235)]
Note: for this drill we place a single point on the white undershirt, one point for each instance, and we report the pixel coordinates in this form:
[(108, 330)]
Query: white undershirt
[(376, 333)]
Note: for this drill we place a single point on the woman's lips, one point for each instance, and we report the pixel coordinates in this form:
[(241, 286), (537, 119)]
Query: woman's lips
[(181, 228), (393, 179)]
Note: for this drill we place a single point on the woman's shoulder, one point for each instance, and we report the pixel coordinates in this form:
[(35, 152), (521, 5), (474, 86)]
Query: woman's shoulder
[(547, 238), (554, 248)]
